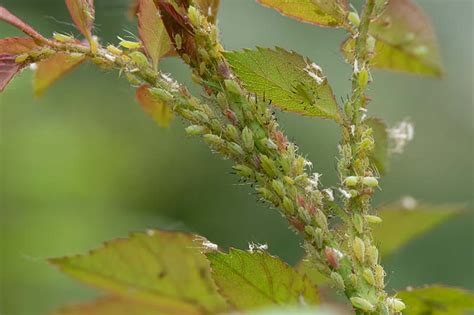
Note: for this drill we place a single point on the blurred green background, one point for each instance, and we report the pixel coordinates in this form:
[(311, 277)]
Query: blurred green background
[(84, 164)]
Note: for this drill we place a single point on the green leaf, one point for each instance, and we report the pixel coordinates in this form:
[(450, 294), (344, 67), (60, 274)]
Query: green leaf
[(330, 13), (437, 300), (294, 311), (166, 269), (52, 69), (154, 106), (400, 225), (152, 31), (255, 279), (307, 268), (292, 82), (405, 40), (113, 305), (380, 155)]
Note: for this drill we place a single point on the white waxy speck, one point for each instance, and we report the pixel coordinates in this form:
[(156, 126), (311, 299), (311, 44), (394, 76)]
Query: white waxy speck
[(353, 128), (209, 245), (313, 75), (257, 247), (316, 67), (401, 135)]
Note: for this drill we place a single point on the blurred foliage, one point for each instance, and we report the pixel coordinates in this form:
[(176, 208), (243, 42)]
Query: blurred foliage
[(84, 163)]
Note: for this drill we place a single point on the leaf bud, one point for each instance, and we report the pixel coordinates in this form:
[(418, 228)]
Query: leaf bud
[(247, 139), (353, 17), (368, 276), (370, 181), (396, 304), (362, 304), (358, 248), (288, 206), (232, 132), (337, 280), (373, 219), (232, 87), (351, 181), (279, 188), (195, 130)]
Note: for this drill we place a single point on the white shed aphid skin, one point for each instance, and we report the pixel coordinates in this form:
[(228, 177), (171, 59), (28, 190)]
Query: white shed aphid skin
[(33, 66), (401, 135), (329, 193), (206, 245), (345, 193), (314, 180), (257, 247)]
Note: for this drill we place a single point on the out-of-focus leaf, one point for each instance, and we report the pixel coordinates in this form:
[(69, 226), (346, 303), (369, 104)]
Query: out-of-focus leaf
[(8, 69), (152, 31), (290, 81), (52, 69), (379, 156), (304, 267), (209, 8), (330, 13), (400, 225), (294, 311), (113, 305), (437, 300), (405, 40), (16, 45), (8, 17), (82, 13), (154, 107), (166, 269), (255, 279)]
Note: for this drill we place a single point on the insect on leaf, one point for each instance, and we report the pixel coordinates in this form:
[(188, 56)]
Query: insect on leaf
[(330, 13), (152, 31), (414, 221), (437, 300), (165, 269), (8, 17), (290, 81), (256, 279), (405, 41), (153, 106), (380, 155), (52, 69)]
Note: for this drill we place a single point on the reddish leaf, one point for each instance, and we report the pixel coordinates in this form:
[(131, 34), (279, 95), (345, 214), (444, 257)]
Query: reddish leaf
[(152, 31), (154, 107), (8, 17), (177, 24), (8, 69), (16, 45), (82, 13), (52, 69)]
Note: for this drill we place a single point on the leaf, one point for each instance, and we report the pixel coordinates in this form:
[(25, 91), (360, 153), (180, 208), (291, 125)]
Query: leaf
[(208, 8), (8, 69), (113, 305), (306, 268), (331, 13), (8, 17), (152, 31), (82, 13), (405, 41), (437, 300), (251, 280), (295, 311), (52, 69), (400, 225), (166, 269), (17, 45), (291, 81), (380, 155), (153, 106)]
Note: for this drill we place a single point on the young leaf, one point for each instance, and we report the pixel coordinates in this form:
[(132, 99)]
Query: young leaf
[(379, 156), (154, 106), (8, 17), (437, 300), (113, 305), (17, 45), (289, 80), (166, 269), (400, 225), (250, 280), (331, 13), (405, 40), (52, 69), (8, 69), (82, 13), (152, 31)]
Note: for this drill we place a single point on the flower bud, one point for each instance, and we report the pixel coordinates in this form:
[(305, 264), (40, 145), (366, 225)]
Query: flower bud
[(358, 248), (396, 304), (232, 87), (247, 139), (337, 281), (373, 219), (195, 130), (279, 188), (368, 276), (370, 181), (351, 181), (362, 304)]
